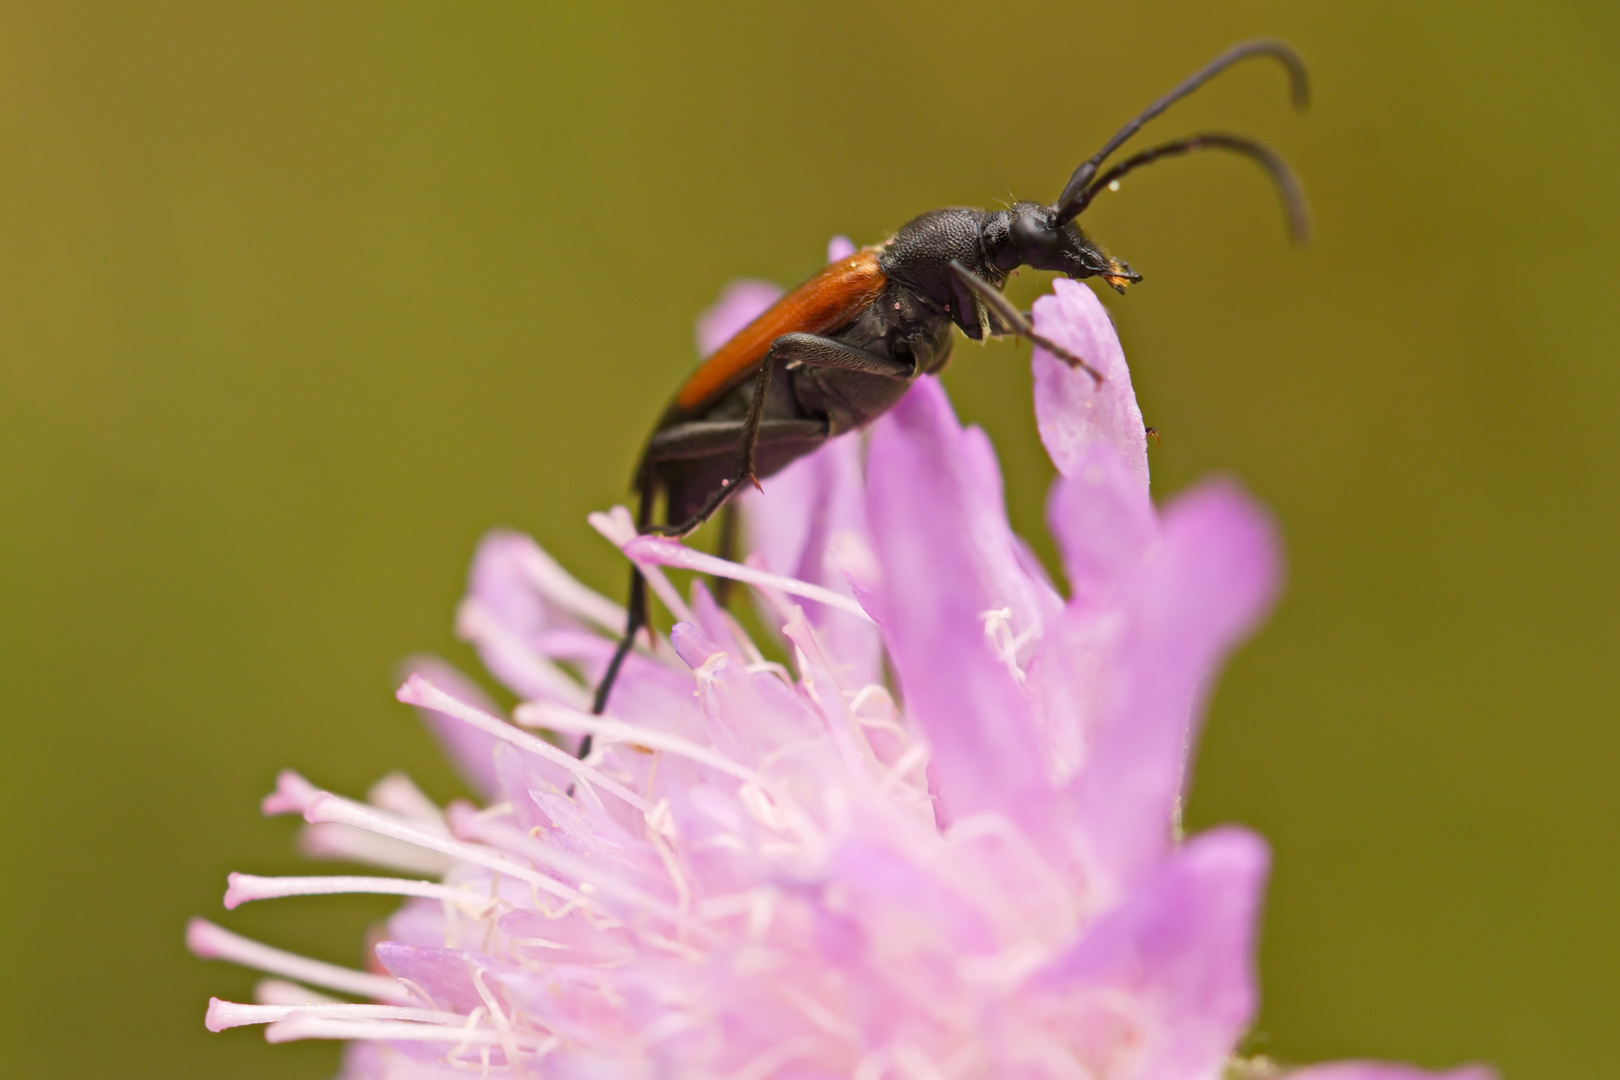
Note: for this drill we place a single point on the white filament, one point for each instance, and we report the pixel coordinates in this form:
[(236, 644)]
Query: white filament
[(419, 691), (658, 549), (245, 888), (215, 942)]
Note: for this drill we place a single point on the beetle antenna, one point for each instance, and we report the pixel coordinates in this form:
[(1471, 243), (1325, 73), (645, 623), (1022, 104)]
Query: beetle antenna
[(1288, 189), (1299, 87)]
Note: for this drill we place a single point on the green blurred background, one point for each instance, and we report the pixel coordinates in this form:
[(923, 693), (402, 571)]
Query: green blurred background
[(296, 300)]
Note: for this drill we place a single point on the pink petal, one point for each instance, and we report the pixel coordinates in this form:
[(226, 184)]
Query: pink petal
[(647, 691), (1103, 521), (444, 974), (740, 303), (713, 620), (1203, 587), (946, 557), (748, 714), (792, 525), (1072, 411), (1180, 950), (506, 615), (840, 247)]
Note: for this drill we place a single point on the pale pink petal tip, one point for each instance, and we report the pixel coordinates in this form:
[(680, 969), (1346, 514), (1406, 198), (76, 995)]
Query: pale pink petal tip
[(292, 794), (1071, 410), (234, 894), (740, 303), (840, 247), (219, 1016), (471, 750), (202, 938), (414, 690)]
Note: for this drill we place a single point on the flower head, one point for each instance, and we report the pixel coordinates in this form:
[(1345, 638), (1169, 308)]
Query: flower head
[(788, 870)]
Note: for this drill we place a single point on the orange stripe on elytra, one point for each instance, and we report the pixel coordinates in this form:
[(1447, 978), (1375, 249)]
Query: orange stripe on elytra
[(827, 301)]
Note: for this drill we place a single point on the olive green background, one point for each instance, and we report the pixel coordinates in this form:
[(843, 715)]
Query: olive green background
[(296, 300)]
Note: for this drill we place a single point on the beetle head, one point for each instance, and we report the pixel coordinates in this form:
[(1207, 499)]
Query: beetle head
[(1032, 235)]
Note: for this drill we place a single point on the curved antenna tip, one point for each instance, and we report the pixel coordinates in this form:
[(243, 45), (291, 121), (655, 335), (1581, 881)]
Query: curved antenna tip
[(1071, 201), (1299, 77)]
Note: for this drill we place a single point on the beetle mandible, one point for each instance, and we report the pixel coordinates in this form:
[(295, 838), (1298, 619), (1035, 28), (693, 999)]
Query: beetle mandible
[(840, 350)]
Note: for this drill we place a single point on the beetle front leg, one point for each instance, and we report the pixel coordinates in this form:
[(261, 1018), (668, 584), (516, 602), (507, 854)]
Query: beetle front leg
[(1016, 321)]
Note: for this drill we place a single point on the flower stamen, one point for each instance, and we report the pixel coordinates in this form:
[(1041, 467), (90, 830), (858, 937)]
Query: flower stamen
[(419, 691), (244, 888), (619, 529), (666, 552), (217, 943), (228, 1014)]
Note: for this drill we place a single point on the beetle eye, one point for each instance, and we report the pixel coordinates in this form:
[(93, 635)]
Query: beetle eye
[(1037, 241), (1026, 233)]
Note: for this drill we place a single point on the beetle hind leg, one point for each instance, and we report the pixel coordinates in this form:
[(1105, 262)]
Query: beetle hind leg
[(727, 550), (635, 621), (635, 610)]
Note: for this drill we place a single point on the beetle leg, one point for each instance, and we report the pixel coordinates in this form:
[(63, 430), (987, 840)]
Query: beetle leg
[(709, 438), (727, 550), (812, 350), (704, 438), (699, 440), (1014, 319), (635, 611), (771, 432), (635, 619)]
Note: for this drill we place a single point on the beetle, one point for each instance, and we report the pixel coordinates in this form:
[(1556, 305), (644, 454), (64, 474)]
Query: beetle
[(840, 350)]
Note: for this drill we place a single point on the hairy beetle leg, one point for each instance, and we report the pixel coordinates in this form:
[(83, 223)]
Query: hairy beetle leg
[(813, 350), (727, 550), (1015, 321)]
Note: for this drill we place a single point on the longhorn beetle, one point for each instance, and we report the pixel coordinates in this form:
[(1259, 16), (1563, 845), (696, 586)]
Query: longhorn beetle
[(841, 349)]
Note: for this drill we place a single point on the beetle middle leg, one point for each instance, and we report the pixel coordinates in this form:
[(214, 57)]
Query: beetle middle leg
[(711, 438), (698, 439), (812, 350), (706, 438)]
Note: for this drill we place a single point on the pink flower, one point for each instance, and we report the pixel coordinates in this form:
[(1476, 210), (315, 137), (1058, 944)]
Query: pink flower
[(782, 871)]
